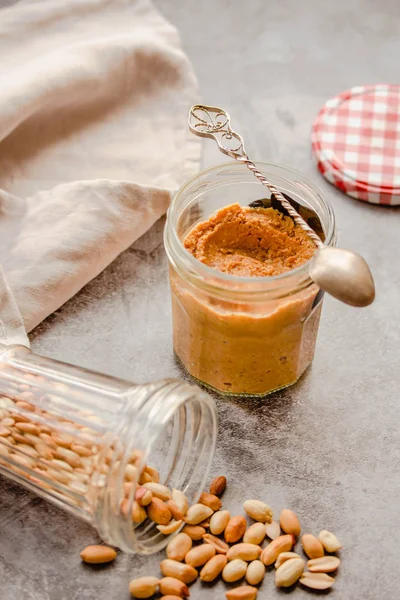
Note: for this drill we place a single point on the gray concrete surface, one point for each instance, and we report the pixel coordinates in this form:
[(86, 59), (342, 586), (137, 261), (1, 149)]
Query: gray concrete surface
[(330, 447)]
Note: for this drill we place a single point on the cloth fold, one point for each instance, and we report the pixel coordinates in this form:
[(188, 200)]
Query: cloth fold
[(93, 140)]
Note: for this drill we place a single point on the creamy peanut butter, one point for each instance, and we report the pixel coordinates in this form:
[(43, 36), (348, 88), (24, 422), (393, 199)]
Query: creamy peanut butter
[(251, 348), (250, 242)]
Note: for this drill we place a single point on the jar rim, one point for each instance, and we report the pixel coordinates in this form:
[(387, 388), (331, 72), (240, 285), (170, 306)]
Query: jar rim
[(211, 278)]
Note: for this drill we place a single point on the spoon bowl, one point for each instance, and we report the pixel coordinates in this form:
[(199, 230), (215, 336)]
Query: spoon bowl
[(344, 275)]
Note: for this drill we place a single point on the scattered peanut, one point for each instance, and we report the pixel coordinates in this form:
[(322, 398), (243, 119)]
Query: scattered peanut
[(213, 568), (197, 557), (235, 529), (178, 570), (281, 544), (317, 581), (244, 551), (144, 587), (255, 534), (289, 572), (97, 555), (329, 541), (289, 522), (179, 546), (284, 556), (273, 530), (197, 513), (174, 587), (312, 546), (234, 570), (210, 500), (170, 528), (245, 592), (257, 510), (325, 564), (255, 572), (219, 521), (220, 546), (195, 532), (218, 485)]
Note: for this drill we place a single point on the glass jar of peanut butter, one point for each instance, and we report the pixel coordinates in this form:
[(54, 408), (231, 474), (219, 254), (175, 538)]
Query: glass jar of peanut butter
[(245, 312)]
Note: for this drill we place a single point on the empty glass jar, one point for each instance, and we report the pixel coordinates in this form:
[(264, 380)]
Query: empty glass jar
[(85, 441)]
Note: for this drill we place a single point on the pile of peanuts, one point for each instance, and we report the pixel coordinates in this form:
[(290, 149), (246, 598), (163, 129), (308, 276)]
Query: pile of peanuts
[(220, 544)]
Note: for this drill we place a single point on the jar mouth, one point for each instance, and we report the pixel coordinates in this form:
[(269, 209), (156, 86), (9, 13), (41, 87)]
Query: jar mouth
[(210, 278), (179, 443)]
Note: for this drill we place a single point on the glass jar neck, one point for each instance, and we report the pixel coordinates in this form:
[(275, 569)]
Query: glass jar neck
[(207, 192), (173, 426)]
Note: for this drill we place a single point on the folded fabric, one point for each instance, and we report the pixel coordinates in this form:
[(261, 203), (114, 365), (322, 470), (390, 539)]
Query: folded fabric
[(93, 140)]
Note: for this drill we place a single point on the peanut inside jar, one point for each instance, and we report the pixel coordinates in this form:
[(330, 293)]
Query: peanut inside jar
[(253, 347)]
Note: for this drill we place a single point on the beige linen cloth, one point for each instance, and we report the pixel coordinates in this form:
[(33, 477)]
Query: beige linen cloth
[(94, 97)]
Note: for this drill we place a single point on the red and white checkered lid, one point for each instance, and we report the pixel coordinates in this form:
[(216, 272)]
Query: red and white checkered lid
[(356, 139)]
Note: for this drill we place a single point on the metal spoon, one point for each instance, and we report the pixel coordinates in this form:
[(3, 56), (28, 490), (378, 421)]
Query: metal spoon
[(341, 273)]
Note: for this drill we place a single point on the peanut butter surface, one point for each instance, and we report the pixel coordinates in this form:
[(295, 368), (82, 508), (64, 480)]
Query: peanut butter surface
[(249, 242)]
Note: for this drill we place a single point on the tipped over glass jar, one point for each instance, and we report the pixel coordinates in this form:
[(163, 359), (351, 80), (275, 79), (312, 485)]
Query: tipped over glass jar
[(89, 442), (242, 335)]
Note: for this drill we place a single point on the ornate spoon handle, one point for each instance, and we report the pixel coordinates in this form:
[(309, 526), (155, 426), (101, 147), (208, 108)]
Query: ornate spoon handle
[(213, 122)]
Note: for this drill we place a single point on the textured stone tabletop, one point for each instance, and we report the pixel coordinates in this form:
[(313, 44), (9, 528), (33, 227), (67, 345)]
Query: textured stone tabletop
[(329, 448)]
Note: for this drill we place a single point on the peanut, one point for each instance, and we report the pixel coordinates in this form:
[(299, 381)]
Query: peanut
[(158, 490), (172, 586), (257, 510), (197, 513), (218, 485), (170, 528), (329, 541), (284, 556), (289, 572), (174, 510), (317, 581), (179, 546), (97, 555), (234, 570), (138, 513), (244, 551), (255, 534), (178, 570), (195, 532), (220, 546), (255, 572), (180, 500), (213, 568), (143, 496), (289, 522), (312, 546), (325, 564), (219, 521), (273, 530), (235, 529), (197, 557), (245, 592), (144, 587), (281, 544), (158, 512), (210, 500)]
